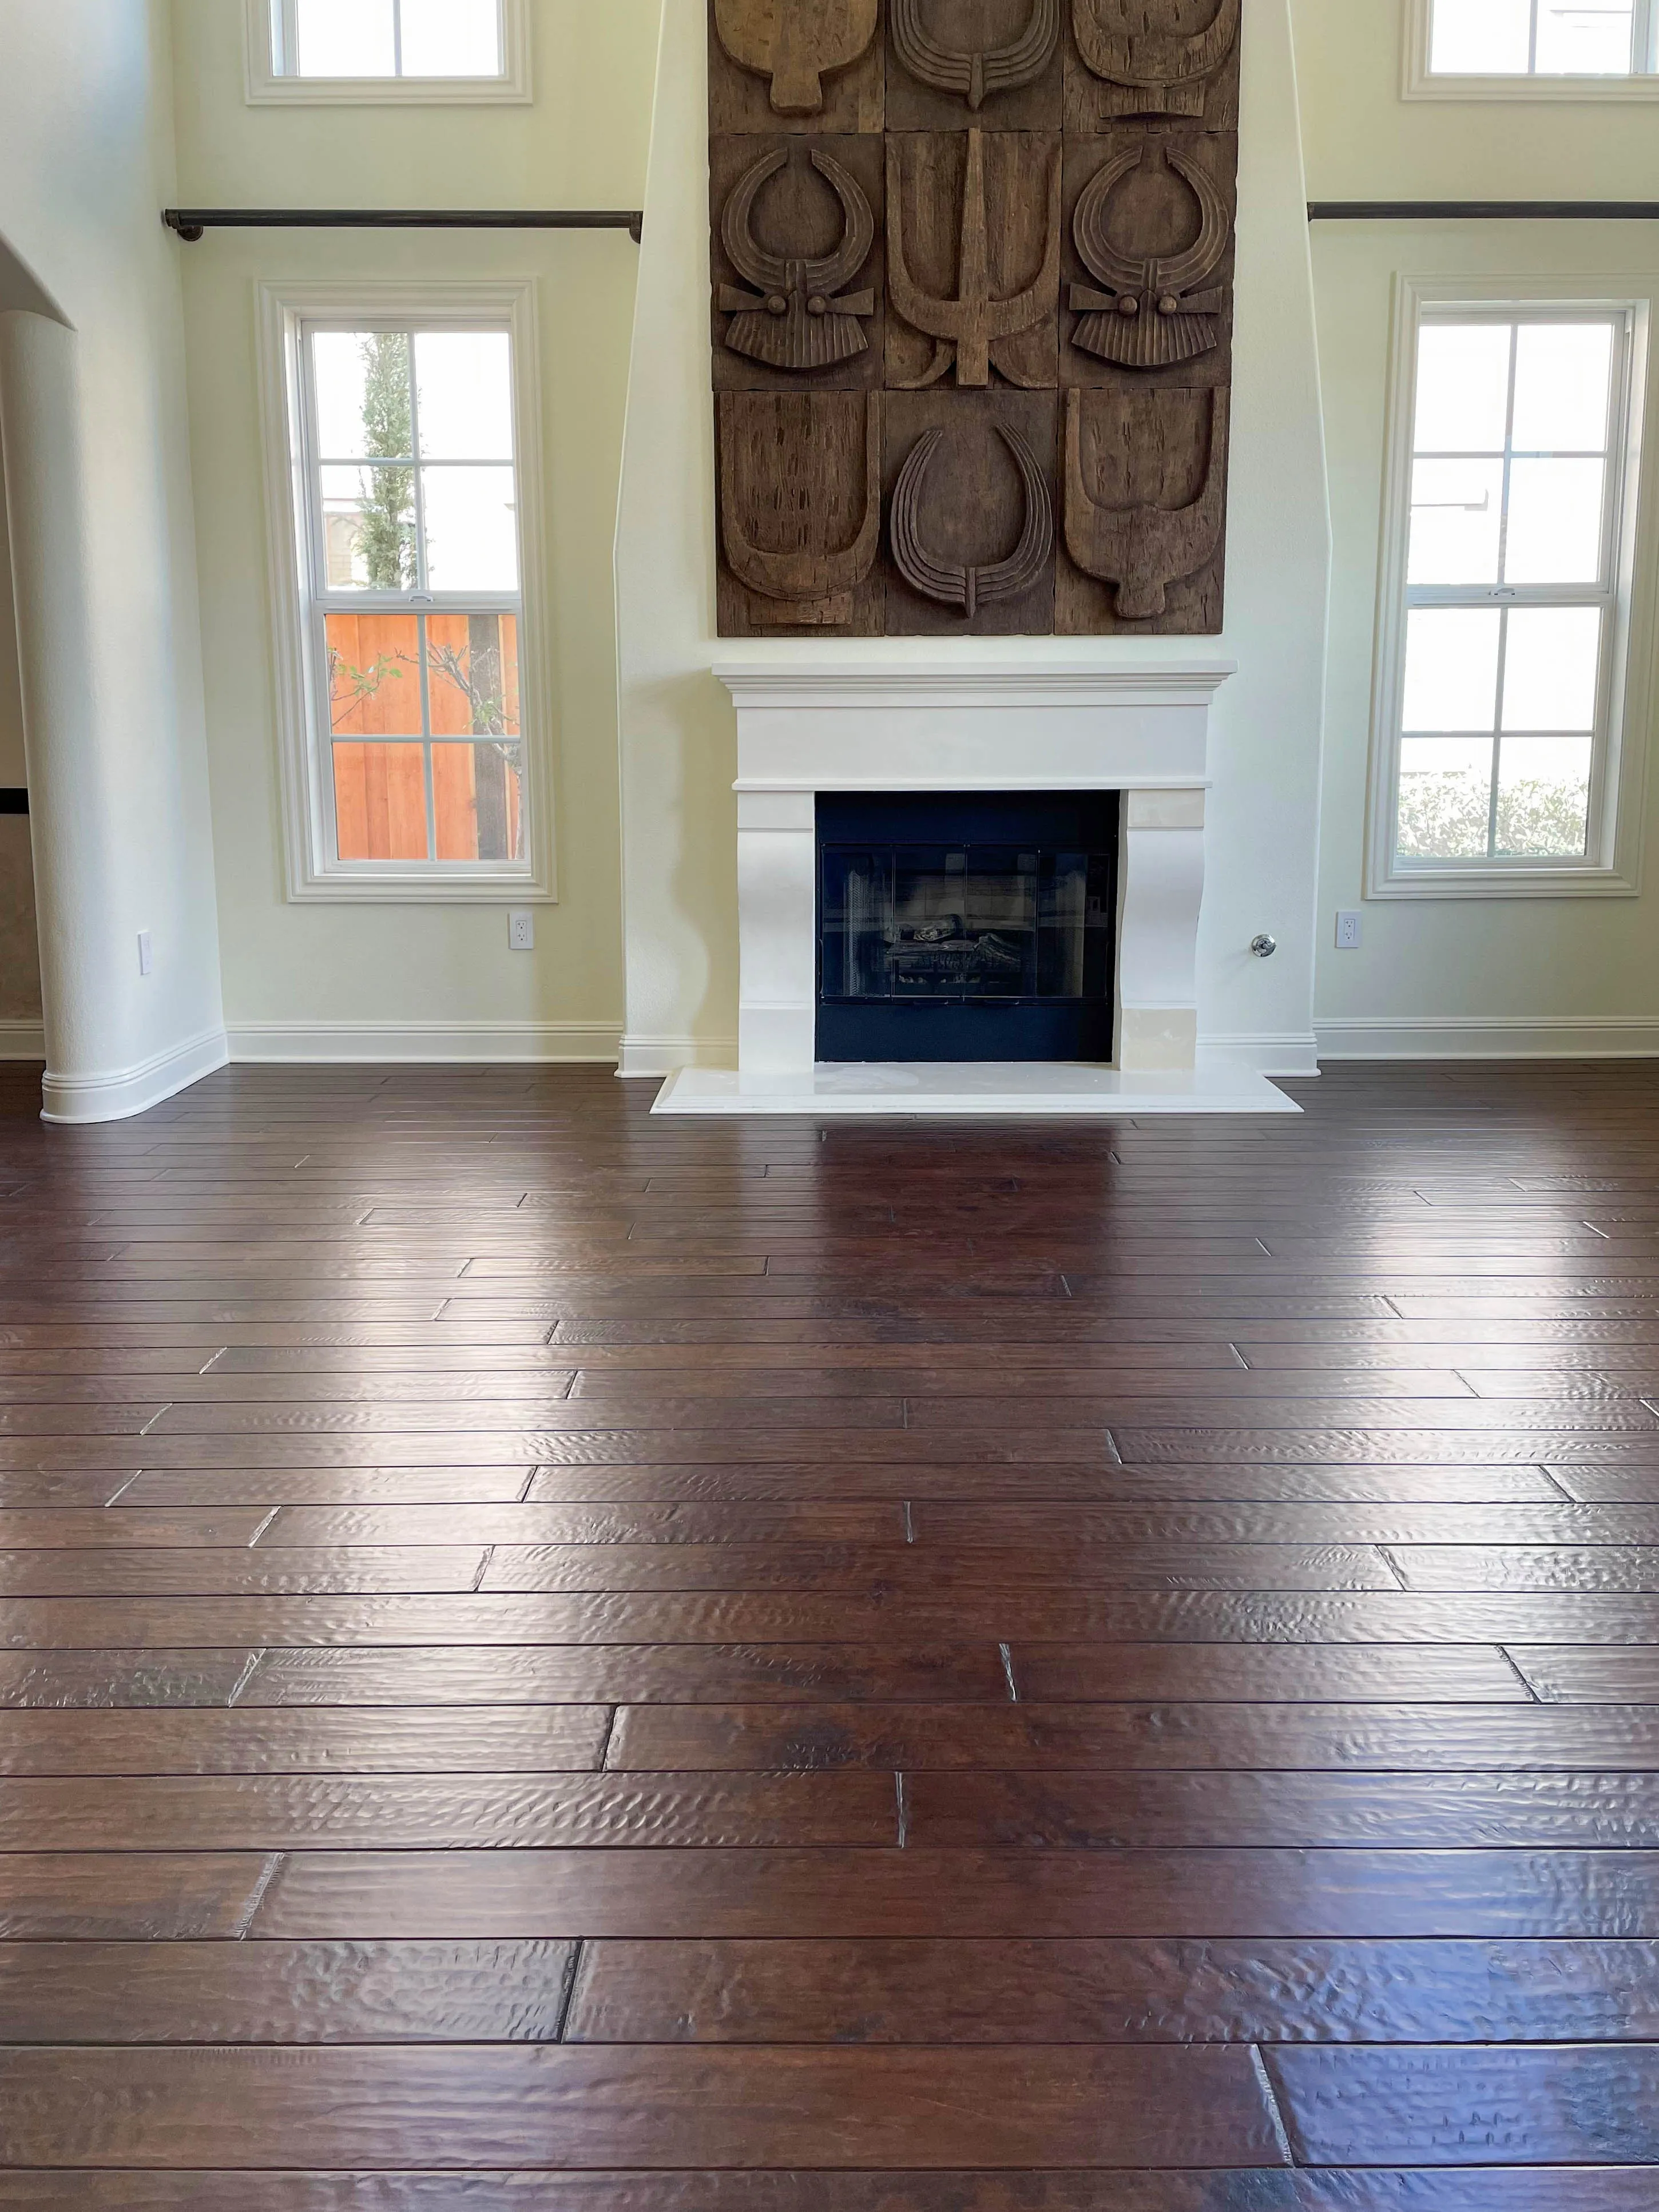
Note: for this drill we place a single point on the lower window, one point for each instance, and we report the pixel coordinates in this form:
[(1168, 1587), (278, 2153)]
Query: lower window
[(1502, 666), (410, 749)]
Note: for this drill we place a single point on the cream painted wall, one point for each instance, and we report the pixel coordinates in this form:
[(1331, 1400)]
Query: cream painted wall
[(1450, 976), (679, 734), (85, 163), (423, 981)]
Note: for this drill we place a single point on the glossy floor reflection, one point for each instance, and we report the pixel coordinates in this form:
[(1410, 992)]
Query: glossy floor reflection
[(556, 1659)]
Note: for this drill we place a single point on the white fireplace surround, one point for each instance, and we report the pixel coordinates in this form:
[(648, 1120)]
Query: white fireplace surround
[(847, 726)]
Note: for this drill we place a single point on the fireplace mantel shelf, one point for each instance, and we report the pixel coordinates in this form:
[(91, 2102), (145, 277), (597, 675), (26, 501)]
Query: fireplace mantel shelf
[(803, 685)]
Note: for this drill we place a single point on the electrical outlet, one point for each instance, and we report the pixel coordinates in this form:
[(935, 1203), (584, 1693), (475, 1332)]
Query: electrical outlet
[(146, 953), (1350, 931), (521, 932)]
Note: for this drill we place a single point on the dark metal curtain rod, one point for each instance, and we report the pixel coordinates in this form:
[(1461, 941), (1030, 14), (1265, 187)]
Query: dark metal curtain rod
[(192, 222), (1484, 211)]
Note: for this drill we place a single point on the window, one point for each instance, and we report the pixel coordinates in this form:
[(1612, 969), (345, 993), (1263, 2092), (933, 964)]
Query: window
[(401, 445), (1533, 49), (398, 50), (1502, 669)]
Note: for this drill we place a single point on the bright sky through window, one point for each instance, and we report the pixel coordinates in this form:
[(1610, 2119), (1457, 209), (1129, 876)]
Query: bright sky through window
[(1540, 37), (393, 38)]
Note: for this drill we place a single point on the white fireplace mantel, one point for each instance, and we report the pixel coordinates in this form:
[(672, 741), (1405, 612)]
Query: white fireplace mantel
[(806, 727)]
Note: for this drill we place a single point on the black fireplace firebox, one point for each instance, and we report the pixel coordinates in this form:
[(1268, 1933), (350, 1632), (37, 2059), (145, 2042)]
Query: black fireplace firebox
[(977, 927)]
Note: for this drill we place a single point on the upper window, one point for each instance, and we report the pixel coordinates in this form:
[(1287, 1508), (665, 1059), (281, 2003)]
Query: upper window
[(1535, 48), (370, 50), (1502, 674), (408, 752)]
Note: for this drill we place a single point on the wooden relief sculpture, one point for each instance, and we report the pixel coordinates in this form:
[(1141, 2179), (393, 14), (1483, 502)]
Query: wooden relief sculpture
[(971, 306), (784, 469), (796, 44), (970, 329), (975, 75), (952, 583), (1157, 312), (1148, 65), (1143, 549), (801, 316)]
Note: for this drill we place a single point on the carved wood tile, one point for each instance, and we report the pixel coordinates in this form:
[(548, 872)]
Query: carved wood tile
[(806, 65), (1165, 58), (800, 513), (799, 263), (1147, 296), (974, 223), (977, 513), (1144, 477), (998, 63)]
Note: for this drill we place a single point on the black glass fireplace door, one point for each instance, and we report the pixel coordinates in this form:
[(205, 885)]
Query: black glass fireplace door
[(972, 928)]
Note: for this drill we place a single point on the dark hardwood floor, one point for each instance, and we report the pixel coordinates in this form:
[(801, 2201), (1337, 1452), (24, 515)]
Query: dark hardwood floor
[(554, 1661)]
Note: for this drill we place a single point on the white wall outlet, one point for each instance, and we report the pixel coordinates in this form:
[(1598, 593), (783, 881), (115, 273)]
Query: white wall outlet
[(146, 953), (1350, 931), (521, 931)]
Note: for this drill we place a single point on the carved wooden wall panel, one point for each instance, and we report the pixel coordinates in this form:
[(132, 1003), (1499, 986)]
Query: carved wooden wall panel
[(969, 484), (800, 480), (973, 266)]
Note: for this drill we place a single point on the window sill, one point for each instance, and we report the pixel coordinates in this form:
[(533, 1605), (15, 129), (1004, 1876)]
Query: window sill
[(394, 889), (1500, 883), (388, 92), (1549, 91)]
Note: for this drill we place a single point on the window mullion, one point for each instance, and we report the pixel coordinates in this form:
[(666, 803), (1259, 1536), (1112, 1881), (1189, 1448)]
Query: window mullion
[(397, 37)]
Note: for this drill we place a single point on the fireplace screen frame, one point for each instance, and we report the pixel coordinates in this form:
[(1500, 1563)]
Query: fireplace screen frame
[(1027, 844)]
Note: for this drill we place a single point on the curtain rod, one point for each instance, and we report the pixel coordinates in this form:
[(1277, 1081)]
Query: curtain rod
[(1483, 211), (192, 222)]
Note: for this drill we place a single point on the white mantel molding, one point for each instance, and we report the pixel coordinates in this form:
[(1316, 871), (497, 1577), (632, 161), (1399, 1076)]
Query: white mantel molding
[(810, 727), (831, 686)]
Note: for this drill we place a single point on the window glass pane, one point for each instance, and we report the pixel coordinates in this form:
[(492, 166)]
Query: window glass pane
[(478, 802), (1562, 383), (374, 675), (1445, 799), (472, 530), (451, 38), (344, 38), (379, 802), (1452, 668), (1552, 668), (368, 529), (1457, 512), (1543, 796), (1462, 388), (1583, 38), (1482, 38), (464, 379), (1555, 522), (472, 673)]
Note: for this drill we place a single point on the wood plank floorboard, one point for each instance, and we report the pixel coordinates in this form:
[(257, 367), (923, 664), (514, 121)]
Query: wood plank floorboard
[(553, 1660)]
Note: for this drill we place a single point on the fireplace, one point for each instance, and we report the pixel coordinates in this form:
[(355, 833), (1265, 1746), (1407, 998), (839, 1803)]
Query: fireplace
[(915, 940), (969, 927)]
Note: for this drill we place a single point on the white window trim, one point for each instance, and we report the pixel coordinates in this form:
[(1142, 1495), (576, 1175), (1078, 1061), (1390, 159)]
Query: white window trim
[(1421, 82), (1614, 868), (313, 871), (266, 87)]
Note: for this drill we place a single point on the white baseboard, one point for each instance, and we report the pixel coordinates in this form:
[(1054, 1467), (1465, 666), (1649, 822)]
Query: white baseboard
[(1293, 1054), (666, 1056), (469, 1042), (1494, 1036), (22, 1040), (118, 1096)]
